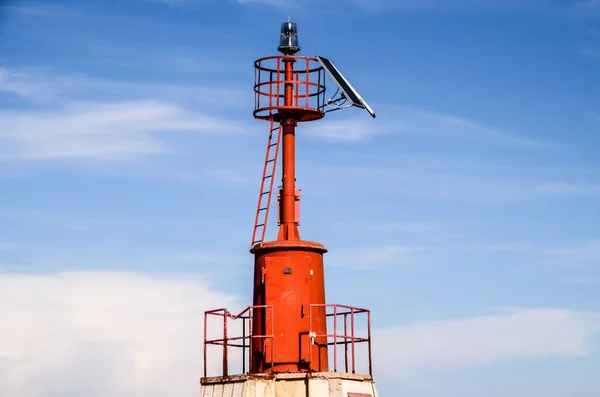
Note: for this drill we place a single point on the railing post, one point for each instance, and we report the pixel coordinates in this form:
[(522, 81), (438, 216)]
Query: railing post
[(369, 341), (308, 84), (272, 338), (250, 339), (296, 89), (205, 344), (334, 338), (310, 330), (225, 349), (243, 344), (346, 342), (353, 353), (279, 81)]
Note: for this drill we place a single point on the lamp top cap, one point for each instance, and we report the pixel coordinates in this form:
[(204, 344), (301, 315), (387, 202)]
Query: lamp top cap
[(288, 41)]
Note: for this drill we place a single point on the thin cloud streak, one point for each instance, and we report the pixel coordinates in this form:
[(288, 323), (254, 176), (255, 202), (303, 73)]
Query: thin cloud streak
[(436, 182), (573, 255), (456, 344), (88, 119), (41, 86), (101, 131), (453, 6), (421, 6), (369, 257), (408, 120)]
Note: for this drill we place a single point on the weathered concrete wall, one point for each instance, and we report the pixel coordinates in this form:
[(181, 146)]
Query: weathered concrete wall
[(324, 384)]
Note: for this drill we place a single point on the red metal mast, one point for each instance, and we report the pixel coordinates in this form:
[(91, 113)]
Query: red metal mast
[(288, 272), (287, 329), (288, 229)]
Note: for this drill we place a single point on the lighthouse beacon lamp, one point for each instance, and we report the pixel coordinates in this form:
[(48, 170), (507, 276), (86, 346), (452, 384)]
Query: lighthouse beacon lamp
[(288, 42)]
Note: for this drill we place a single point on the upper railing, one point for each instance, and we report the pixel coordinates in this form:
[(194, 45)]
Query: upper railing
[(343, 341), (307, 80)]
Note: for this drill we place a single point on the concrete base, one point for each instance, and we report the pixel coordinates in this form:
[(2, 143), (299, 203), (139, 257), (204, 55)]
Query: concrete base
[(319, 384)]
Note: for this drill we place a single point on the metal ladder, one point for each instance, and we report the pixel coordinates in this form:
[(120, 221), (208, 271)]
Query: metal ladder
[(266, 184)]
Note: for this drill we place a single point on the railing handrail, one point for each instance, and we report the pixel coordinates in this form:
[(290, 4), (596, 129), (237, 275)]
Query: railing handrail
[(351, 339), (348, 338), (226, 314)]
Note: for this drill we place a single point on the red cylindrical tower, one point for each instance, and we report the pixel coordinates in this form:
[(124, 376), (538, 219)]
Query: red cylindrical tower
[(288, 272)]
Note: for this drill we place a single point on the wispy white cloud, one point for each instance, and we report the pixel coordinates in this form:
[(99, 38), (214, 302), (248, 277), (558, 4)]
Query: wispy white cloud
[(589, 281), (409, 120), (355, 129), (386, 226), (443, 178), (369, 257), (590, 46), (450, 5), (573, 255), (104, 333), (455, 6), (58, 220), (37, 85), (128, 333), (39, 9), (43, 86), (515, 334), (231, 177), (584, 254), (87, 118), (275, 3), (590, 49), (588, 3), (8, 246), (99, 131)]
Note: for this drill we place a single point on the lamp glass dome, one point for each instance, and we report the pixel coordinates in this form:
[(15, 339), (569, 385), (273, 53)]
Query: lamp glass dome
[(288, 42)]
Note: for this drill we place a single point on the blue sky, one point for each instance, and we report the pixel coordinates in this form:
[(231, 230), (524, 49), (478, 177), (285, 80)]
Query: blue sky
[(465, 215)]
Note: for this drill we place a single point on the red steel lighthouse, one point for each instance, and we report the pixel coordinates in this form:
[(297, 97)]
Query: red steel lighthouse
[(289, 334)]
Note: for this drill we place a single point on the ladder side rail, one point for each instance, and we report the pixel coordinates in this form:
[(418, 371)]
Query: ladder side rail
[(260, 206), (271, 183)]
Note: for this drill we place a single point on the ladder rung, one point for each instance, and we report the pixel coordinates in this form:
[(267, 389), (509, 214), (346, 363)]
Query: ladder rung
[(274, 141)]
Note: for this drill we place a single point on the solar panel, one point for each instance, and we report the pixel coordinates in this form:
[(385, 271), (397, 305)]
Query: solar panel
[(349, 92)]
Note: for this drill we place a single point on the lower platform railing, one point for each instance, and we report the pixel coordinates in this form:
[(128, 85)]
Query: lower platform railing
[(240, 341), (346, 337), (342, 323)]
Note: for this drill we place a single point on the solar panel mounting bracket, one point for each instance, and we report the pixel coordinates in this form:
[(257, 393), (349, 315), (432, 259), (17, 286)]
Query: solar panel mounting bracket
[(348, 93)]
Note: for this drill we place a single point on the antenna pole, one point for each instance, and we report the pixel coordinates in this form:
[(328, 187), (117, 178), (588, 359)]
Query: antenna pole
[(288, 229)]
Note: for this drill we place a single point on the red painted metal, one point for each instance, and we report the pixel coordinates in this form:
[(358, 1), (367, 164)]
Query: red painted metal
[(287, 322), (288, 90), (345, 339), (306, 82), (316, 336), (288, 272), (289, 276), (266, 185), (227, 341), (296, 207)]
